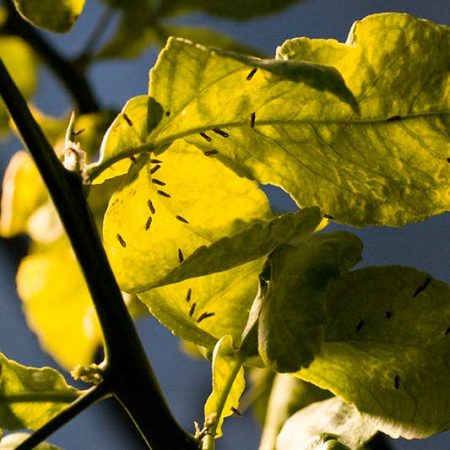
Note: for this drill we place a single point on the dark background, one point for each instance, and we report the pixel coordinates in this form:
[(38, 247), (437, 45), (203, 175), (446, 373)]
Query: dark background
[(186, 382)]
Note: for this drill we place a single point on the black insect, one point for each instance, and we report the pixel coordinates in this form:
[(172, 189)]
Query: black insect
[(252, 120), (393, 118), (158, 182), (127, 120), (448, 160), (210, 152), (151, 207), (155, 169), (422, 287), (167, 113), (205, 137), (251, 74), (180, 255), (327, 216), (220, 132), (235, 411), (133, 158), (78, 132), (204, 316), (188, 295), (360, 325), (164, 194), (148, 223), (447, 331), (192, 310), (121, 240), (181, 219), (155, 161), (396, 382), (388, 315)]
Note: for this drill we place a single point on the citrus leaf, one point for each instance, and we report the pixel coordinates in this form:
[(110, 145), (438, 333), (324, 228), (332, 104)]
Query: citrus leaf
[(360, 129), (293, 314), (127, 131), (23, 191), (217, 78), (227, 294), (57, 304), (11, 441), (387, 349), (165, 210), (288, 395), (252, 243), (324, 425), (21, 63), (228, 384), (52, 15), (30, 397)]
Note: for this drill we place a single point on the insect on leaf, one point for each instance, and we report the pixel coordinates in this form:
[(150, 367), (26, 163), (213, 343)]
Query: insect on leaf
[(392, 367)]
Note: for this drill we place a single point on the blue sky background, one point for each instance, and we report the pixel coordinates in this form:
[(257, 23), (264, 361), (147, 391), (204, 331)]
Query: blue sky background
[(185, 382)]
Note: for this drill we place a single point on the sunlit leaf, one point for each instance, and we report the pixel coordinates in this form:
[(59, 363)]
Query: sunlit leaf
[(127, 131), (23, 192), (360, 129), (157, 220), (293, 314), (324, 425), (288, 395), (30, 397), (387, 349), (228, 385), (52, 15), (22, 65), (227, 294), (57, 304), (11, 442)]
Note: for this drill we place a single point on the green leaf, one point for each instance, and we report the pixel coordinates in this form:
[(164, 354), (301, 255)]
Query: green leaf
[(128, 131), (30, 397), (57, 304), (157, 220), (235, 9), (288, 395), (227, 294), (360, 129), (11, 442), (293, 314), (228, 384), (52, 15), (329, 424), (21, 62), (387, 349)]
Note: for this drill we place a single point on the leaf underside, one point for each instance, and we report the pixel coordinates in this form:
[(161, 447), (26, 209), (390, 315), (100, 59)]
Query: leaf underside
[(360, 129), (387, 349)]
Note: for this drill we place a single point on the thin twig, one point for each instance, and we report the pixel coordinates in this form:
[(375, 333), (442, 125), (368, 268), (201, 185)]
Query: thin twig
[(68, 73), (96, 393)]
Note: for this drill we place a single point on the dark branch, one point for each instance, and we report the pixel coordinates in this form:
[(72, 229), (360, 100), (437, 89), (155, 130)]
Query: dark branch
[(130, 375), (69, 74), (79, 405)]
